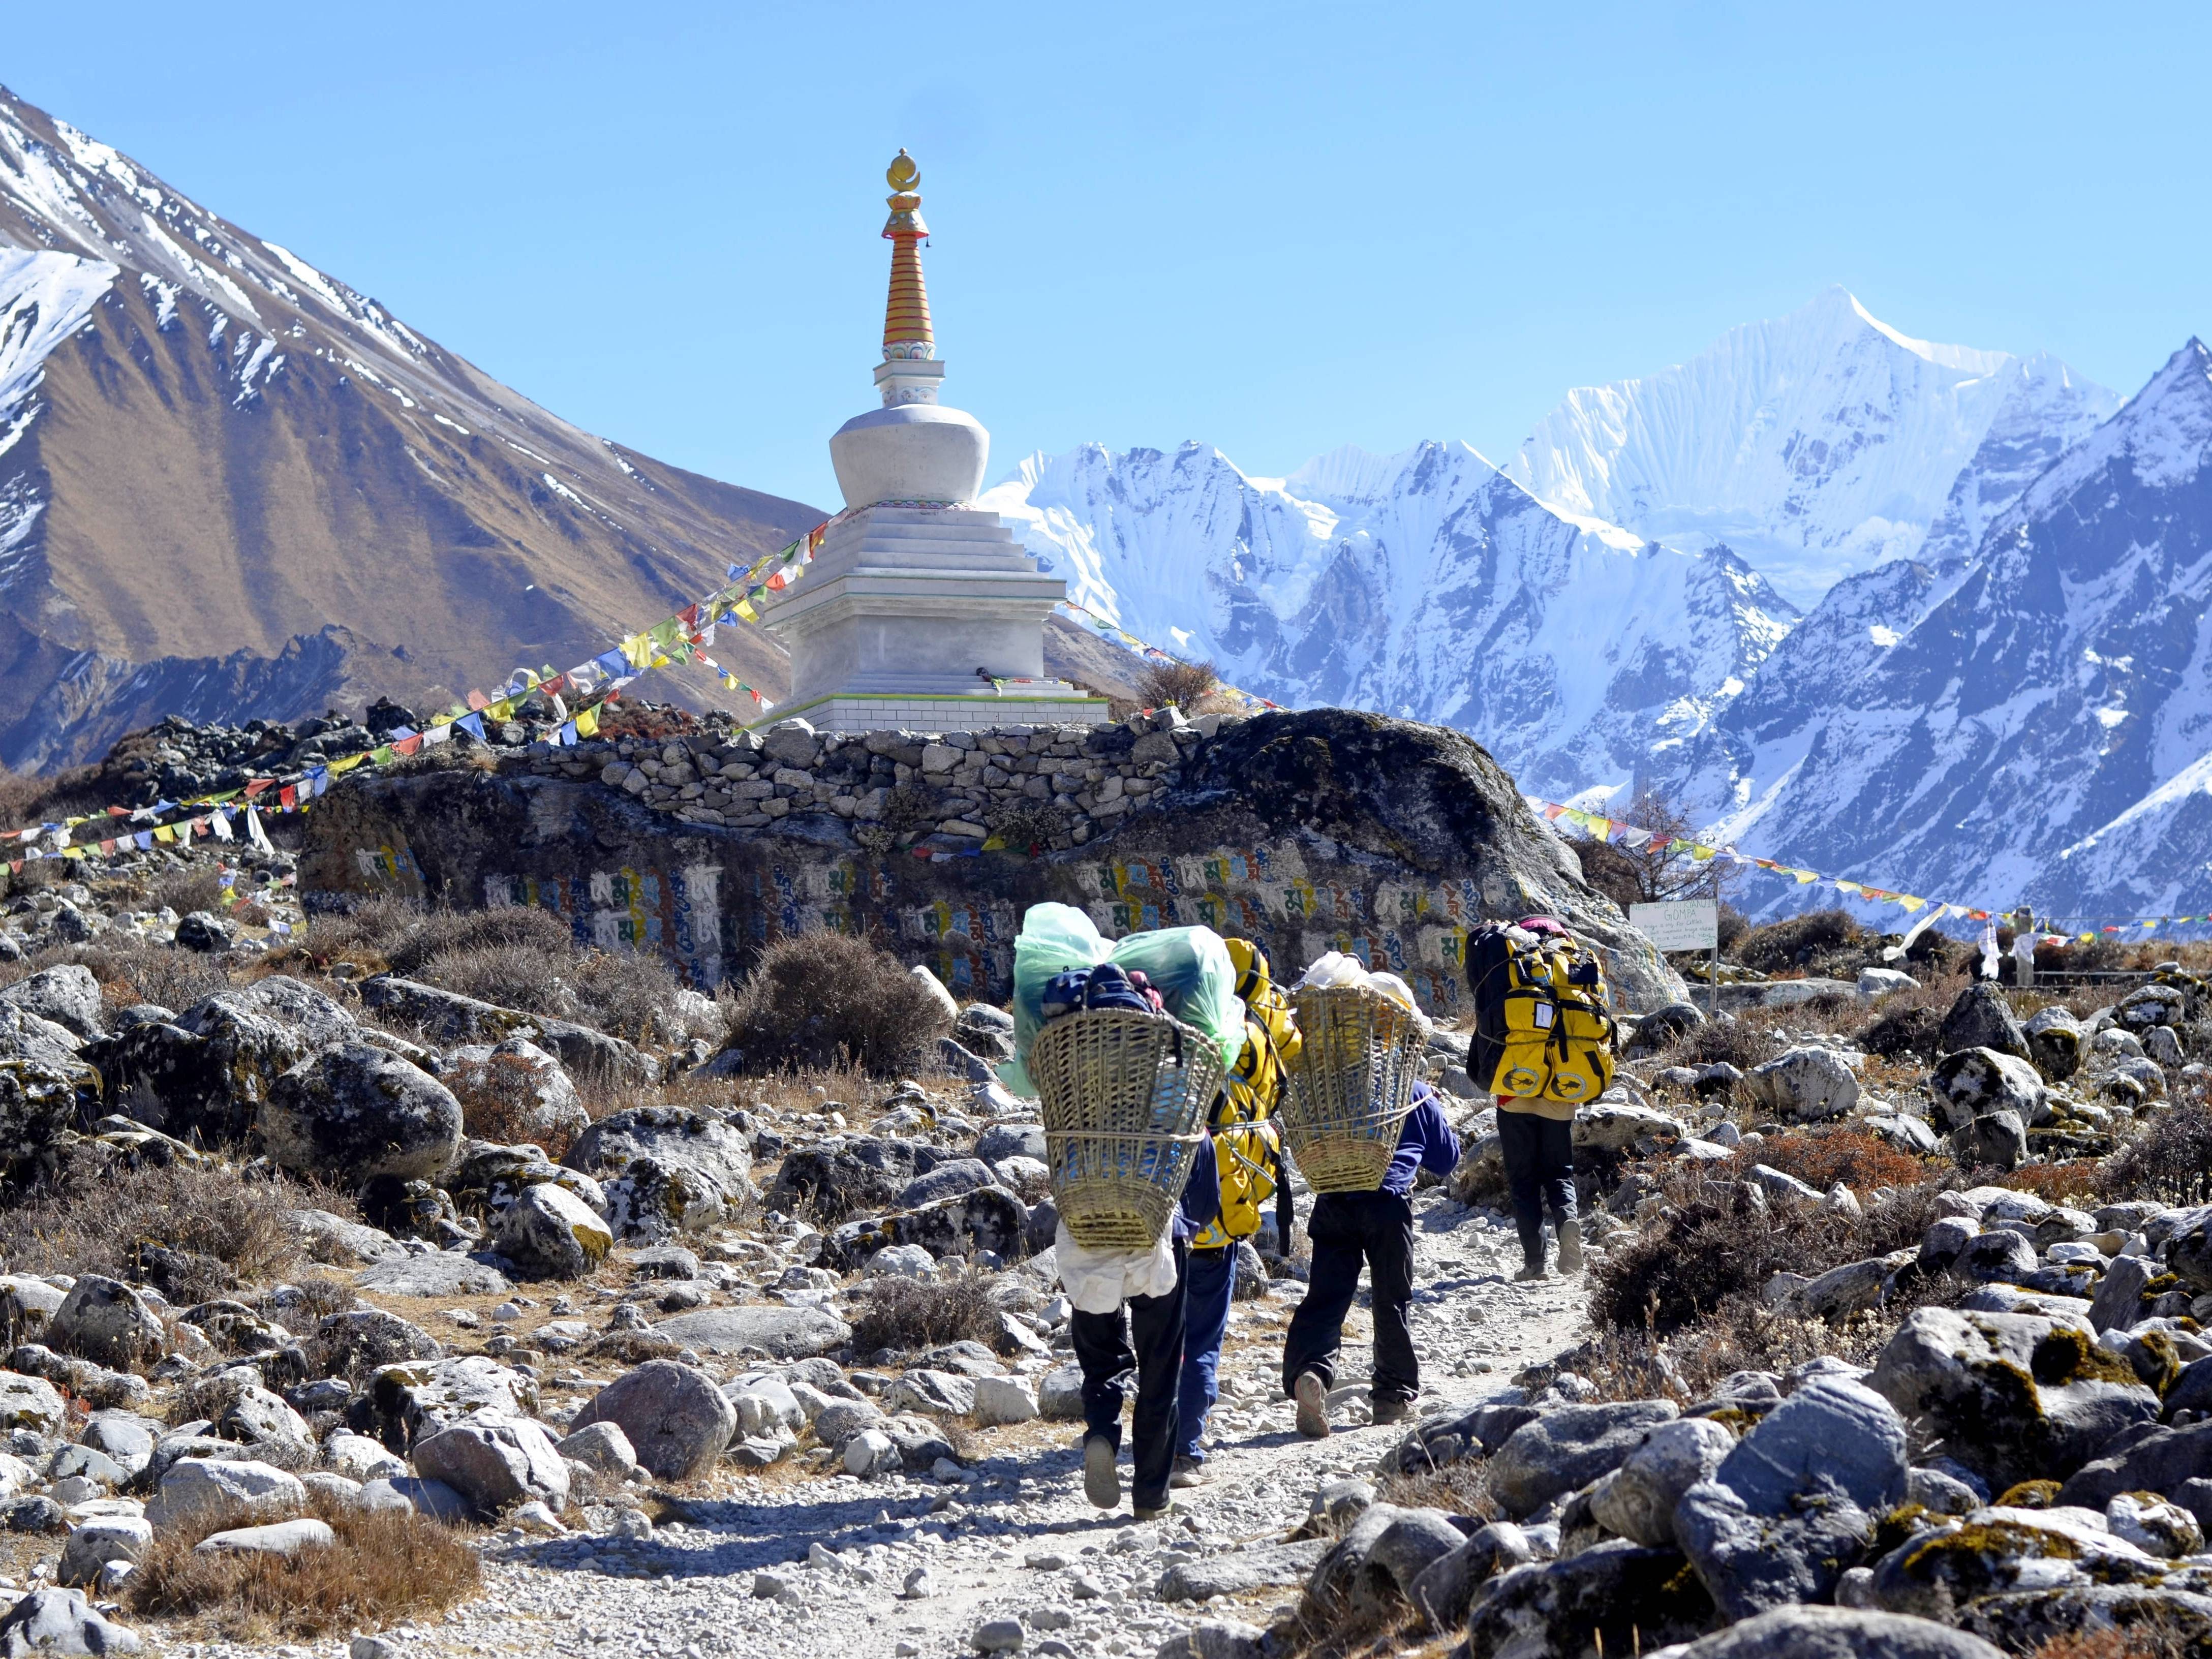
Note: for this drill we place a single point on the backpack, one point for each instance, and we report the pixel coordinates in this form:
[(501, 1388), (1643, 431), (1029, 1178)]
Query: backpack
[(1541, 1030)]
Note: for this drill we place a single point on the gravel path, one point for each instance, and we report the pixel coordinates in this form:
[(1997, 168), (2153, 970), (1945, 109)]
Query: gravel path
[(1018, 1541)]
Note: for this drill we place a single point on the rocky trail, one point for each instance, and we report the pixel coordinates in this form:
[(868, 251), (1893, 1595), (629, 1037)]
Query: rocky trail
[(1011, 1555)]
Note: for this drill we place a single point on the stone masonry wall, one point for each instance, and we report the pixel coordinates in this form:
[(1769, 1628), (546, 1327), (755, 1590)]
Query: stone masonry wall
[(1309, 832)]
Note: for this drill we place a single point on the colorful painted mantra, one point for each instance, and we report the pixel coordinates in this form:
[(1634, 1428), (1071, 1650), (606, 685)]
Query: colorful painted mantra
[(709, 917)]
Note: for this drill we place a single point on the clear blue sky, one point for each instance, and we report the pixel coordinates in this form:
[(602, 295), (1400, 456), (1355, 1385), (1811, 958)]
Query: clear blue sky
[(1277, 229)]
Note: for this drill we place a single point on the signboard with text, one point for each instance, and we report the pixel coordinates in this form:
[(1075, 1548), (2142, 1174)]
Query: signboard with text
[(1680, 924)]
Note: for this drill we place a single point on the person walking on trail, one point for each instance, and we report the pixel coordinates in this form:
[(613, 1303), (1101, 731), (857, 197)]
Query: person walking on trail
[(1129, 1319), (1543, 1043), (1247, 1153), (1346, 1229)]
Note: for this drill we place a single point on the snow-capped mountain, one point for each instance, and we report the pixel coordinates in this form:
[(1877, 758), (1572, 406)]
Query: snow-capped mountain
[(1812, 446), (226, 476), (2035, 721), (1426, 584)]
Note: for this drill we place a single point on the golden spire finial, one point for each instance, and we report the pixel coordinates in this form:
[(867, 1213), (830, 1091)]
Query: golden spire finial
[(906, 316)]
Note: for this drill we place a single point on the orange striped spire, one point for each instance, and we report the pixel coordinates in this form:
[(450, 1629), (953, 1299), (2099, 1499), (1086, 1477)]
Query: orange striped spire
[(905, 313)]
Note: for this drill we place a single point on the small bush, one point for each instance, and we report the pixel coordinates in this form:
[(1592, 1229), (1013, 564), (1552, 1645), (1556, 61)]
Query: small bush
[(2074, 1182), (905, 1313), (1185, 684), (2170, 1161), (195, 888), (1861, 1161), (1731, 1040), (439, 934), (1718, 1247), (195, 1232), (132, 970), (630, 993), (498, 1100), (382, 1568), (1800, 941), (827, 1000)]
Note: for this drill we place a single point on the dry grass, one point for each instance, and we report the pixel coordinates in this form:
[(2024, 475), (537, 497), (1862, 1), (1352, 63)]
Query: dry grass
[(2075, 1181), (131, 970), (382, 1568), (1715, 1247), (497, 1100), (193, 1231), (195, 888), (1693, 1361), (1821, 1157), (1814, 943), (2150, 1638), (2170, 1161), (1460, 1488), (907, 1314), (827, 1000)]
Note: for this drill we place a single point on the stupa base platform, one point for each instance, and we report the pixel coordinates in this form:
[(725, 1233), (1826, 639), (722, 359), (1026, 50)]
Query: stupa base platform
[(920, 711)]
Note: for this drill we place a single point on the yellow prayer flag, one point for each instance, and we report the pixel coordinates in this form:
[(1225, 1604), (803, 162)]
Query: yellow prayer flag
[(347, 764), (164, 832), (745, 608), (1911, 902), (587, 723)]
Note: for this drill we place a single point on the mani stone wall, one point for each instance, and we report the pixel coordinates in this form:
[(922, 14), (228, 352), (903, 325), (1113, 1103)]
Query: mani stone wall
[(1324, 830)]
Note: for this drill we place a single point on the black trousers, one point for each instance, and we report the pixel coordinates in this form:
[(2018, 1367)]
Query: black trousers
[(1540, 1169), (1102, 1348), (1348, 1229)]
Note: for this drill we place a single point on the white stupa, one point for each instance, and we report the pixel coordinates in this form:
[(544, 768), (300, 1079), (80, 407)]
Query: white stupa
[(920, 612)]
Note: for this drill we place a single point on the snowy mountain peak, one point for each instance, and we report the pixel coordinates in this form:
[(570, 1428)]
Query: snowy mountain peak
[(1815, 445)]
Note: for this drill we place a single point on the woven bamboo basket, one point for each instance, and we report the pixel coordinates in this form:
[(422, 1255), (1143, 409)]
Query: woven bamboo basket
[(1125, 1099), (1352, 1084)]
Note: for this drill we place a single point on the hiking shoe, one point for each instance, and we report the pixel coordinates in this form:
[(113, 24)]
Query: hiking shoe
[(1532, 1270), (1166, 1506), (1102, 1481), (1571, 1247), (1392, 1411), (1187, 1472), (1312, 1395)]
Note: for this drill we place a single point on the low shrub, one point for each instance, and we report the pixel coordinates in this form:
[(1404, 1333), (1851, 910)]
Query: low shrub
[(827, 999), (905, 1313), (383, 1567), (1185, 684), (2170, 1161), (497, 1103), (131, 970), (194, 1232), (1821, 1157), (1802, 941), (2073, 1182), (194, 888), (1717, 1245), (1728, 1040)]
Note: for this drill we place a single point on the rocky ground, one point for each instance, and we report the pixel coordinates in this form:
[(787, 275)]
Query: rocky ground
[(1891, 1339)]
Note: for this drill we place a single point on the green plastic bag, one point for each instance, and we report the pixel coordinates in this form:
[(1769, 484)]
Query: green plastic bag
[(1188, 966)]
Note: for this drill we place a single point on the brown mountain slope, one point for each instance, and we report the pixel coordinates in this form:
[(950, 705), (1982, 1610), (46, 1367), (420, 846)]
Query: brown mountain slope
[(231, 486)]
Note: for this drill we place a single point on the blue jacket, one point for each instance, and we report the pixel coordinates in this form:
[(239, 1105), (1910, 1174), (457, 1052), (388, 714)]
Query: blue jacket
[(1201, 1196), (1426, 1142)]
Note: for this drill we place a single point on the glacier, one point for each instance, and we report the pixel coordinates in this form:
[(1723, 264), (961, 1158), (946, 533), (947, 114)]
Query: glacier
[(1813, 445), (1426, 584)]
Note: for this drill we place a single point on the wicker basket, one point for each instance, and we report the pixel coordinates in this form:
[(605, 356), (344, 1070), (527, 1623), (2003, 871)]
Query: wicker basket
[(1352, 1084), (1125, 1101)]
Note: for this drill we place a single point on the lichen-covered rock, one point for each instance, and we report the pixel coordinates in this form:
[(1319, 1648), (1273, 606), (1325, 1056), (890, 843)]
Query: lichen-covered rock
[(1980, 1018), (1615, 1593), (987, 1218), (61, 1621), (68, 995), (2054, 1042), (38, 1101), (496, 1462), (1636, 1500), (225, 1492), (2171, 1621), (445, 1016), (107, 1322), (549, 1233), (665, 1170), (410, 1401), (2014, 1396), (1817, 1632), (355, 1111), (1568, 1448), (1998, 1549), (1971, 1082), (362, 1338), (30, 1402), (1794, 1503), (2163, 1461), (675, 1419)]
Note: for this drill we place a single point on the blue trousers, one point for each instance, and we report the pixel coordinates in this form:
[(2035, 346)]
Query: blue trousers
[(1211, 1277)]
